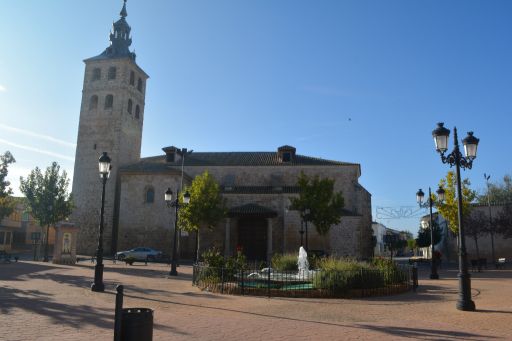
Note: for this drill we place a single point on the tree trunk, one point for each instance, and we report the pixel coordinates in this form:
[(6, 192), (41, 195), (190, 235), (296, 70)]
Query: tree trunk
[(197, 245), (45, 259)]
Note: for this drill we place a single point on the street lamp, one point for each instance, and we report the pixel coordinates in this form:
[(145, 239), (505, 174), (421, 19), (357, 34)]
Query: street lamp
[(430, 203), (455, 158), (491, 228), (176, 204), (104, 168), (305, 218)]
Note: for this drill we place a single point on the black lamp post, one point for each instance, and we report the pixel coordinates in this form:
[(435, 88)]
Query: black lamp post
[(176, 204), (430, 203), (301, 231), (104, 166), (305, 218), (455, 158)]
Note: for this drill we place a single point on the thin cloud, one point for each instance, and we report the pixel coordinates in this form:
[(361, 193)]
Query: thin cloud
[(2, 88), (37, 135), (37, 150)]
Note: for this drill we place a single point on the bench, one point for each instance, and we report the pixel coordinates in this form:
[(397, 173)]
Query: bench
[(500, 263)]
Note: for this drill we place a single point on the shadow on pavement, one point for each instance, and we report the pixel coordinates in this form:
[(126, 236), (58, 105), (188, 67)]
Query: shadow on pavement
[(391, 330), (13, 271), (420, 333), (40, 303)]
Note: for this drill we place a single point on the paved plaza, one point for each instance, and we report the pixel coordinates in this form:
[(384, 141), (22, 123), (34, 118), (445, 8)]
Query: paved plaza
[(41, 301)]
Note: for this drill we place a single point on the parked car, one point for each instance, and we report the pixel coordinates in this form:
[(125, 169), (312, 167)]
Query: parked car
[(140, 253)]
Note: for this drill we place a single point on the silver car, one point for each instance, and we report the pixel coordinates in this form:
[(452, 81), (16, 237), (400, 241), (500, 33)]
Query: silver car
[(140, 253)]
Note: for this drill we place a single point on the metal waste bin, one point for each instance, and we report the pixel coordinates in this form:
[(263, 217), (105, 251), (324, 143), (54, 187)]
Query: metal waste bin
[(137, 324)]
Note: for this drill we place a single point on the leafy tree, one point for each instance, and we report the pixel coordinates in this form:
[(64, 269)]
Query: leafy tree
[(393, 243), (449, 208), (47, 196), (475, 226), (500, 192), (325, 206), (206, 207), (424, 236), (411, 244), (6, 202)]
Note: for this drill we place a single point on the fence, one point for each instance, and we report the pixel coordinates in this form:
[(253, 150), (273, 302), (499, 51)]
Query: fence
[(314, 283)]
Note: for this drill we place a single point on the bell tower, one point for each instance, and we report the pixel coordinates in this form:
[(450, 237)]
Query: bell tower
[(111, 120)]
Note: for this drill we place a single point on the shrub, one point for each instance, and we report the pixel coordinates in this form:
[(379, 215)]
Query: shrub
[(213, 258), (129, 260), (285, 262)]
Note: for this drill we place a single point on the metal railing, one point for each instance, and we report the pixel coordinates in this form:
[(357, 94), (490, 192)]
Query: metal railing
[(315, 283)]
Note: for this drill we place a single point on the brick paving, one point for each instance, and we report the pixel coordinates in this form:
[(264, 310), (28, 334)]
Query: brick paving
[(41, 301)]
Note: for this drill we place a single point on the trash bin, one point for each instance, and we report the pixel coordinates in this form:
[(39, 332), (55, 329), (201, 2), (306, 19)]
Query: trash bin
[(137, 324)]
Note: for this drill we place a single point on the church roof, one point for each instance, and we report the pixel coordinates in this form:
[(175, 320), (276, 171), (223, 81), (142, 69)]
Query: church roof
[(231, 159)]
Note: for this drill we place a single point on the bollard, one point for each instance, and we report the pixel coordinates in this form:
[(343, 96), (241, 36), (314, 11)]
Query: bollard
[(414, 277), (119, 313)]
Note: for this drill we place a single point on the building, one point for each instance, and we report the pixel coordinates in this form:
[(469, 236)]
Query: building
[(17, 230), (257, 185)]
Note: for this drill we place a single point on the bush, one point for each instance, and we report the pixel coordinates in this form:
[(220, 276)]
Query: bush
[(213, 258), (285, 262), (129, 260)]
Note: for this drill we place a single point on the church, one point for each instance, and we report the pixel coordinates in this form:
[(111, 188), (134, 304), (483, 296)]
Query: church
[(257, 186)]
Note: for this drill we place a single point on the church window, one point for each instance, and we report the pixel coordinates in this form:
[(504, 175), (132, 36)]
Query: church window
[(150, 195), (132, 78), (109, 102), (130, 105), (112, 72), (93, 102), (137, 111), (139, 85), (96, 74)]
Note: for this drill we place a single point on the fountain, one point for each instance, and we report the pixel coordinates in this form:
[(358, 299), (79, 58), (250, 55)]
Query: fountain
[(303, 273), (302, 262)]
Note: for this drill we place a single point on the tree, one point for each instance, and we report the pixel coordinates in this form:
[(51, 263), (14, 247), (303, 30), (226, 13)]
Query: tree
[(475, 226), (411, 244), (393, 242), (206, 207), (500, 192), (6, 202), (424, 236), (47, 196), (325, 206), (449, 208)]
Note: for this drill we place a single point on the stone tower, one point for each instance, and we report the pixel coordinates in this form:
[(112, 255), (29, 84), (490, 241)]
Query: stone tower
[(111, 118)]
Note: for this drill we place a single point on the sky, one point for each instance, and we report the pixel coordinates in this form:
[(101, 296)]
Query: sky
[(357, 81)]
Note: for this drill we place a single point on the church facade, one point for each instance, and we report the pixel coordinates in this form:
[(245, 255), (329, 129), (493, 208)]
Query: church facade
[(257, 186)]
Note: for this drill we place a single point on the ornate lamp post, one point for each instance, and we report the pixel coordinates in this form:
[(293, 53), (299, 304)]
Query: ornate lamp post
[(301, 231), (104, 166), (430, 203), (176, 204), (455, 158), (491, 228), (305, 218)]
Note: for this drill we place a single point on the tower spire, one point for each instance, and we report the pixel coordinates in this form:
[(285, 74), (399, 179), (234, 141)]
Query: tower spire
[(123, 13)]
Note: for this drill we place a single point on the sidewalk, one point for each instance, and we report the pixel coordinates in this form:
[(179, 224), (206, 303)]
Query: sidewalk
[(40, 301)]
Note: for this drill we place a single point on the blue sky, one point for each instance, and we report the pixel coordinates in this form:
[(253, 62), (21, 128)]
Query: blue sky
[(357, 81)]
